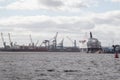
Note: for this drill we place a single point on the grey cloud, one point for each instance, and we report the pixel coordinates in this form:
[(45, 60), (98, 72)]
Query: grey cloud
[(108, 21), (52, 26), (102, 20), (106, 37), (5, 29), (84, 25), (80, 5), (113, 19), (52, 3)]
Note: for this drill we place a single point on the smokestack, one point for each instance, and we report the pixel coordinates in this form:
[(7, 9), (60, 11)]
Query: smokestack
[(90, 34)]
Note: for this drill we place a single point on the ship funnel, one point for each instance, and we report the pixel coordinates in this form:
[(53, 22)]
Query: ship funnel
[(91, 35)]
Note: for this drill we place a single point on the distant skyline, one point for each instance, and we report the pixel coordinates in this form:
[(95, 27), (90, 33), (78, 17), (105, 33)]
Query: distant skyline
[(73, 18)]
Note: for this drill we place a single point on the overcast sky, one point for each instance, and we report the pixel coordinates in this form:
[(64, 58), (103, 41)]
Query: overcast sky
[(73, 18)]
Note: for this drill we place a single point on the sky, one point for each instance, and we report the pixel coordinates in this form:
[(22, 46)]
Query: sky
[(70, 18)]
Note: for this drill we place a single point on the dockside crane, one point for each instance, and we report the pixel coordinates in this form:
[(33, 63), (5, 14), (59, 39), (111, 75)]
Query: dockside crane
[(61, 43), (55, 41), (32, 44), (46, 43), (11, 43), (73, 42), (4, 43), (37, 43), (51, 43)]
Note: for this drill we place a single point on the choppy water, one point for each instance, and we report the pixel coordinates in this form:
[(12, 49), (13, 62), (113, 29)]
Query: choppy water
[(58, 66)]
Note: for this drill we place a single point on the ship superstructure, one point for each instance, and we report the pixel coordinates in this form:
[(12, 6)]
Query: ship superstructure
[(93, 44)]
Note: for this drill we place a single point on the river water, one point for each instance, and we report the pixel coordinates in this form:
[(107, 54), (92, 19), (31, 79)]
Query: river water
[(58, 66)]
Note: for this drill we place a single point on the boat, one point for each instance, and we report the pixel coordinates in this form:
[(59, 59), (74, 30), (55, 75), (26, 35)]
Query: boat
[(93, 45)]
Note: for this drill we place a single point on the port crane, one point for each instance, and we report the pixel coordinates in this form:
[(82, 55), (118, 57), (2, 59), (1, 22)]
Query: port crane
[(11, 43), (55, 41), (37, 43), (4, 43), (46, 43), (52, 43), (73, 42), (61, 43), (32, 44)]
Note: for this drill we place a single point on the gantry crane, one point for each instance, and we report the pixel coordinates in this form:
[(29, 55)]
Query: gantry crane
[(37, 43), (61, 43), (73, 42), (55, 41), (32, 44), (11, 43), (46, 43), (4, 43)]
